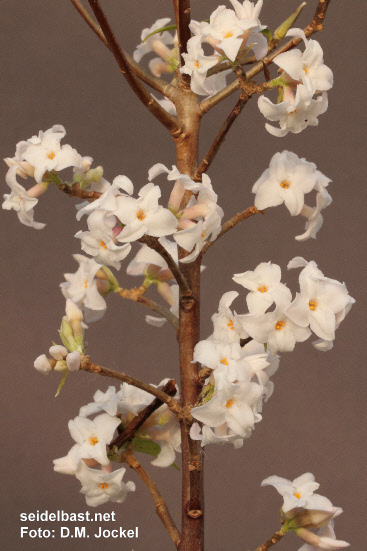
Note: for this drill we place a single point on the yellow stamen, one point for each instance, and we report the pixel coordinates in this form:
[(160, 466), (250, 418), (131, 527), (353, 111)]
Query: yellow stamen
[(228, 35), (298, 496), (230, 403), (224, 361), (51, 155), (140, 215), (263, 289), (312, 304), (230, 325), (103, 485), (103, 244), (85, 284), (306, 71), (202, 235), (93, 440), (292, 112), (285, 184), (279, 325), (197, 64)]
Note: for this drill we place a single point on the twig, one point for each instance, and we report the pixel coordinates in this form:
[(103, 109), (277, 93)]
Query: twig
[(315, 26), (272, 541), (87, 365), (74, 190), (160, 505), (170, 389), (221, 136), (153, 243), (145, 97), (231, 223), (156, 83), (133, 294), (183, 12)]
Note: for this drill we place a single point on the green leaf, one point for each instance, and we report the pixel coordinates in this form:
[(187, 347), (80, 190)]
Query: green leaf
[(144, 445), (61, 383), (168, 28), (266, 32)]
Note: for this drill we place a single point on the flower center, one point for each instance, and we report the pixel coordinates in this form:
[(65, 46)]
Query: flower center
[(312, 304), (297, 495), (292, 112), (306, 71), (230, 325), (93, 440), (279, 325), (51, 155), (230, 403), (285, 184), (85, 284), (103, 485), (262, 289), (140, 215), (103, 244), (197, 64), (224, 361), (228, 35)]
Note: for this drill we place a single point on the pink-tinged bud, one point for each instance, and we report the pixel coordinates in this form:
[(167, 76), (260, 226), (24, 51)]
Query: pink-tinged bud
[(103, 287), (24, 169), (307, 211), (165, 275), (184, 224), (37, 190), (312, 518), (158, 67), (152, 271), (200, 209), (73, 312), (288, 94), (161, 49), (107, 468), (166, 292), (176, 196)]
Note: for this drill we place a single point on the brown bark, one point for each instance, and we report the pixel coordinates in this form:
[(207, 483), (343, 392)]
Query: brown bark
[(192, 532)]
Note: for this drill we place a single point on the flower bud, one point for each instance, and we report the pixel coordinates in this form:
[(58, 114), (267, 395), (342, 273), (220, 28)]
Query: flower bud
[(61, 366), (105, 274), (282, 30), (58, 352), (311, 518), (73, 361), (42, 364)]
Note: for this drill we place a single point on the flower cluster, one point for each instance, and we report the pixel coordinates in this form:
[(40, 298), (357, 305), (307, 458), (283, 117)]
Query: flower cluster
[(287, 180), (231, 401), (158, 436), (303, 75), (303, 511)]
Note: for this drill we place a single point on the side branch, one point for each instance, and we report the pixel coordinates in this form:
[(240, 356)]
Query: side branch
[(154, 243), (138, 296), (170, 389), (161, 114), (315, 26), (160, 505), (156, 83), (272, 541), (231, 223), (87, 365)]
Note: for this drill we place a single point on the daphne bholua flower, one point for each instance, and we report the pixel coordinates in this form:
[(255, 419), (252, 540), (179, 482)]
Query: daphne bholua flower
[(100, 487)]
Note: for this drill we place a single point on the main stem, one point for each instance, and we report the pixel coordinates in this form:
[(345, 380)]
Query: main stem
[(192, 534)]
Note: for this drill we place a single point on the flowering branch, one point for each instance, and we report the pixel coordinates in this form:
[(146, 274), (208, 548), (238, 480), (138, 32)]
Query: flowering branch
[(170, 389), (232, 222), (275, 538), (315, 26), (152, 105), (183, 15), (87, 365), (156, 83), (160, 504)]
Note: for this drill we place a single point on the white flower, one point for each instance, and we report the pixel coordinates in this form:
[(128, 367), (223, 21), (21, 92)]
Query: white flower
[(324, 539), (167, 104), (147, 260), (197, 64), (294, 113), (81, 287), (264, 286), (171, 295), (196, 236), (232, 405), (20, 201), (69, 463), (276, 329), (144, 215), (154, 42), (99, 241), (299, 493), (286, 180), (94, 436), (165, 431), (45, 153), (227, 328), (132, 399), (215, 354), (314, 216), (108, 200), (307, 67), (42, 364), (100, 487), (220, 435), (103, 401)]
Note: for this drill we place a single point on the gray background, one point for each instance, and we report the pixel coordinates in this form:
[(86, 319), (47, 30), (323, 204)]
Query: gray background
[(57, 72)]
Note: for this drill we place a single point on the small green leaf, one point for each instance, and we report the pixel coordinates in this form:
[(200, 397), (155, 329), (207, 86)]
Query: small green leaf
[(61, 383), (266, 32), (144, 445), (161, 30)]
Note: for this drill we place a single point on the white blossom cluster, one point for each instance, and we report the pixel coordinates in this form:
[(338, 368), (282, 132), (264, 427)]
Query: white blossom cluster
[(92, 436), (239, 380), (287, 180), (304, 511), (303, 75)]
